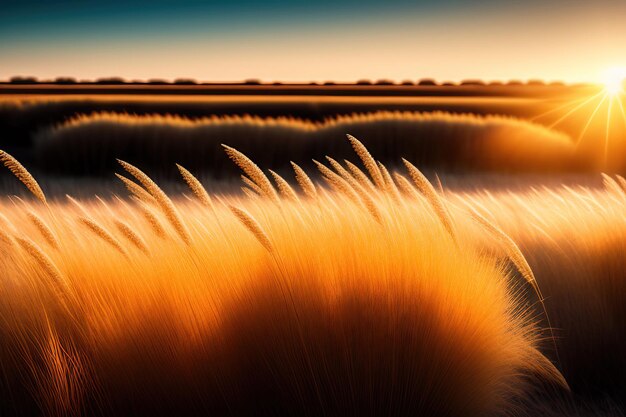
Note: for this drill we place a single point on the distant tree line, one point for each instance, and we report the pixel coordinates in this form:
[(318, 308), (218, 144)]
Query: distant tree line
[(424, 82)]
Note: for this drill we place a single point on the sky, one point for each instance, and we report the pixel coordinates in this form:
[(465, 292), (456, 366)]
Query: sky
[(301, 41)]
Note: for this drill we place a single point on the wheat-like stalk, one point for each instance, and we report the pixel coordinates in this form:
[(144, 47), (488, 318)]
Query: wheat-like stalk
[(335, 181), (249, 193), (427, 189), (283, 187), (542, 366), (343, 173), (512, 250), (359, 175), (368, 161), (196, 186), (252, 171), (390, 186), (516, 256), (57, 279), (102, 233), (132, 236), (351, 187), (43, 228), (6, 238), (304, 181), (253, 226), (136, 190), (76, 204), (405, 186), (152, 219), (23, 175), (612, 186), (6, 222), (622, 182), (252, 185), (163, 201), (5, 226), (364, 194)]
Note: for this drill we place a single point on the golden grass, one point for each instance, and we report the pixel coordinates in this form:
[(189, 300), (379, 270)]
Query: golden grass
[(102, 233), (136, 189), (23, 175), (574, 240), (163, 201), (43, 228), (303, 307), (427, 189), (283, 186), (368, 161), (255, 174), (438, 140), (304, 181), (196, 186)]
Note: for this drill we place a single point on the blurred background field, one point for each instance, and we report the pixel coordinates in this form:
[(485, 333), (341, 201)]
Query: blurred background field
[(77, 131)]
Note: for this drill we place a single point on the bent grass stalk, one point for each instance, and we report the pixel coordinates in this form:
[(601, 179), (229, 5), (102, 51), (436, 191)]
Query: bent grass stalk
[(196, 186), (252, 171), (102, 233), (427, 189), (364, 195), (307, 186), (136, 190), (359, 175), (515, 254), (152, 219), (56, 277), (23, 175), (284, 188), (368, 161), (164, 202), (252, 186), (132, 236), (253, 226), (43, 228), (390, 186)]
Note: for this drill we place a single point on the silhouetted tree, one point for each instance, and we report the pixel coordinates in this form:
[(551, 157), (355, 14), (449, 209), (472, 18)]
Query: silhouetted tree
[(385, 82), (185, 81), (514, 83), (23, 80), (472, 83), (65, 80), (536, 83), (252, 81), (363, 82), (155, 81), (427, 82)]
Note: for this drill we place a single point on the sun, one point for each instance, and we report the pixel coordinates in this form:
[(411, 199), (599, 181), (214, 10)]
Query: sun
[(613, 80)]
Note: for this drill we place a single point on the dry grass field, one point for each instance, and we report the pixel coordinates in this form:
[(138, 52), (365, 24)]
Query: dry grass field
[(89, 144), (370, 293)]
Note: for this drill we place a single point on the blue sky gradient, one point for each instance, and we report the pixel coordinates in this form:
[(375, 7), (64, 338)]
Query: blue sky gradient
[(304, 40)]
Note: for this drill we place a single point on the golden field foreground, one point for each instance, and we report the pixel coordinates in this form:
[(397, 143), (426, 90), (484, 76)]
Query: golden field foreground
[(375, 294)]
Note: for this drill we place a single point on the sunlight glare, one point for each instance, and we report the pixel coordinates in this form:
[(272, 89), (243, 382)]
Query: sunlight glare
[(613, 80)]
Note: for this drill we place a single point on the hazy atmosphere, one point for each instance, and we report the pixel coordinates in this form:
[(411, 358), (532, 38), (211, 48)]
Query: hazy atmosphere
[(569, 40)]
